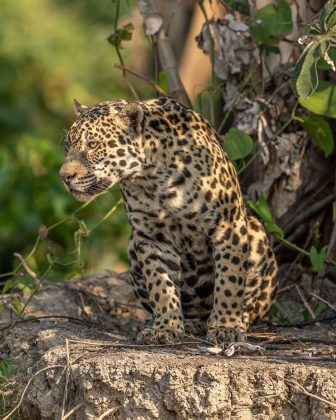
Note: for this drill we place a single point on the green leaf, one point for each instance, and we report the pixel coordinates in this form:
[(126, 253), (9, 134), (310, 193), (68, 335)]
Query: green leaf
[(317, 259), (326, 18), (264, 212), (16, 304), (237, 144), (304, 78), (122, 34), (272, 22), (320, 132), (322, 64), (1, 309), (7, 368), (241, 6), (322, 101), (126, 32)]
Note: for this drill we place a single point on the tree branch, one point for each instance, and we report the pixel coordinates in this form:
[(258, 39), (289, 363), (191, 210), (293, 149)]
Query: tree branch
[(153, 24)]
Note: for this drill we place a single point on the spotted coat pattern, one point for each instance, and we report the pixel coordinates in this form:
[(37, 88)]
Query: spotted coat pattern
[(198, 262)]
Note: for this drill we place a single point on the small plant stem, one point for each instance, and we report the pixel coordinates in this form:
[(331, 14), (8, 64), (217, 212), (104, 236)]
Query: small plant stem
[(116, 18), (301, 250), (116, 46), (66, 218), (38, 239), (107, 215), (292, 246)]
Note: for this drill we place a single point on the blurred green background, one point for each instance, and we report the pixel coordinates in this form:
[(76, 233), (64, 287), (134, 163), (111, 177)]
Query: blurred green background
[(50, 53)]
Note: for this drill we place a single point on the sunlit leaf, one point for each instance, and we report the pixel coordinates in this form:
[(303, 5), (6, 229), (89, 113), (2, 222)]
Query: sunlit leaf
[(237, 144), (304, 78), (320, 132), (322, 101)]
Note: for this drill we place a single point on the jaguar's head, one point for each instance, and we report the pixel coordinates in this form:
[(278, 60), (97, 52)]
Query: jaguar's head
[(103, 146)]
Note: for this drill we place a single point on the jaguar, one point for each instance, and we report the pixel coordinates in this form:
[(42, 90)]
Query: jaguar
[(198, 261)]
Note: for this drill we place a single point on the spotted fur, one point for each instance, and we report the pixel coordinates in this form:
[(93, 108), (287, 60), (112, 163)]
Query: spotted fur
[(198, 262)]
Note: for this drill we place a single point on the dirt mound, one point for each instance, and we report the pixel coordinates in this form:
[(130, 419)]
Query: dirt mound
[(77, 368)]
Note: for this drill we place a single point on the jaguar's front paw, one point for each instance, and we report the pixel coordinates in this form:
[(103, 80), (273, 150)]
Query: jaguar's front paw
[(156, 336), (221, 335)]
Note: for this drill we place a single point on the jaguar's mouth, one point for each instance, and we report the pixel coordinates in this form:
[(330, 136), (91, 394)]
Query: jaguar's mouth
[(81, 195), (90, 192)]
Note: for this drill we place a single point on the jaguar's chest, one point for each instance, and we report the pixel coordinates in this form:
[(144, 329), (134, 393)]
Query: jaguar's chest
[(179, 211)]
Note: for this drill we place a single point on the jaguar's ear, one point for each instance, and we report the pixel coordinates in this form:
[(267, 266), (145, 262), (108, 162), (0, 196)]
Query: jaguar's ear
[(79, 109), (134, 116)]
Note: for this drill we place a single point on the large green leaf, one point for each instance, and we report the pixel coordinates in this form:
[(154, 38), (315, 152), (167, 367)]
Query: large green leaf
[(272, 22), (237, 144), (304, 78), (326, 17), (320, 132), (322, 101)]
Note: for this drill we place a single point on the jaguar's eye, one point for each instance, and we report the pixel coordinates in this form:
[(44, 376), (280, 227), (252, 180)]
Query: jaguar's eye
[(92, 144)]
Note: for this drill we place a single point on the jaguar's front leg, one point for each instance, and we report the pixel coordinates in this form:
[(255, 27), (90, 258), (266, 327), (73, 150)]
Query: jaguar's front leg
[(230, 250), (160, 266)]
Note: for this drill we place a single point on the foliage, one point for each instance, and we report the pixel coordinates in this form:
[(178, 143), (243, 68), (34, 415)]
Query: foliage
[(264, 212), (7, 368), (323, 100), (122, 34), (54, 58), (315, 94), (271, 23), (320, 132), (237, 144), (320, 38), (317, 259), (241, 6)]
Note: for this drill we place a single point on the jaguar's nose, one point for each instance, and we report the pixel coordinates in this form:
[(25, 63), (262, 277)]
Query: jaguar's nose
[(67, 174)]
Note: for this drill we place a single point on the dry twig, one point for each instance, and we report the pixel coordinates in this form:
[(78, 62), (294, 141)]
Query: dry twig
[(301, 389), (332, 307), (69, 413), (304, 301), (106, 413), (67, 375), (140, 76)]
